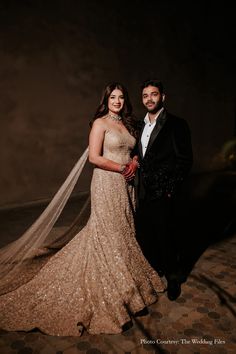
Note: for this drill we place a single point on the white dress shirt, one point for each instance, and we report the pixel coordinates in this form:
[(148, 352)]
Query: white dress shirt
[(147, 131)]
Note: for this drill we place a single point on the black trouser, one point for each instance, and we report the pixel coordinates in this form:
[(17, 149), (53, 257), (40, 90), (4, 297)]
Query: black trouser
[(156, 235)]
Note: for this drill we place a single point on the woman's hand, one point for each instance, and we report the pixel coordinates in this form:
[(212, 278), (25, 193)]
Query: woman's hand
[(130, 169)]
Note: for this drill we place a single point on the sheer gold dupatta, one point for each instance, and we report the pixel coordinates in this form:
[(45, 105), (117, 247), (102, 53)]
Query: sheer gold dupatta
[(21, 259)]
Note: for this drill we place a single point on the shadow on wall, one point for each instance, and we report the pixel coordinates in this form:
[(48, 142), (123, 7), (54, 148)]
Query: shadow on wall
[(205, 214)]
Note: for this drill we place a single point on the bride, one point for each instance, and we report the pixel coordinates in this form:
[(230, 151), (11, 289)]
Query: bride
[(100, 277)]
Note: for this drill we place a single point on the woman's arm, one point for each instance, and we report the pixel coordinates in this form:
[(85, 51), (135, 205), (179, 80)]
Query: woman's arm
[(96, 140)]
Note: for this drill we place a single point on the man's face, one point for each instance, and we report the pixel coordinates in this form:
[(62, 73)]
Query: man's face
[(152, 99)]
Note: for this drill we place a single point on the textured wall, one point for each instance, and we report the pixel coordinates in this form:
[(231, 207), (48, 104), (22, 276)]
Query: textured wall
[(56, 57)]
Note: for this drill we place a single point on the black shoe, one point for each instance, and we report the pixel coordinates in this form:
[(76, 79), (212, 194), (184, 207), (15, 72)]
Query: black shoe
[(141, 313), (173, 290)]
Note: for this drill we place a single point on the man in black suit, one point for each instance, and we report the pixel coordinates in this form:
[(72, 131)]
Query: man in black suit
[(165, 156)]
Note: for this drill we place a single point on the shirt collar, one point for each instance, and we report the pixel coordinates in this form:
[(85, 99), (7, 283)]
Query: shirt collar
[(146, 118)]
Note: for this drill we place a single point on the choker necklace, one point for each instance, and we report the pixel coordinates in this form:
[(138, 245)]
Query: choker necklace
[(115, 117)]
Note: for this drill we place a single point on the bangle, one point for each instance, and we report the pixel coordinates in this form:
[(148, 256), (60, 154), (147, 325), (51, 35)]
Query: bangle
[(122, 168)]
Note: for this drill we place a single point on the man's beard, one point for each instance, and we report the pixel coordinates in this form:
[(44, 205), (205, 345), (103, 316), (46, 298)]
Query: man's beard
[(155, 109)]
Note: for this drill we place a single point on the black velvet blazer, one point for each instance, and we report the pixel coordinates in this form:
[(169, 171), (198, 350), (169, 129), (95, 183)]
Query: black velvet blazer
[(168, 158)]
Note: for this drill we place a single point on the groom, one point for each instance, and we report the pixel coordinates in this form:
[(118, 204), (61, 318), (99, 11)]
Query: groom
[(165, 156)]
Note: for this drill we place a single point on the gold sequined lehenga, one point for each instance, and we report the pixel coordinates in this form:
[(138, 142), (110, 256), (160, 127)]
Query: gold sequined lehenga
[(100, 276)]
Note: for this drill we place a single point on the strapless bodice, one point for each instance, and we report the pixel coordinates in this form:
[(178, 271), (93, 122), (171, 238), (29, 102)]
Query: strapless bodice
[(118, 145)]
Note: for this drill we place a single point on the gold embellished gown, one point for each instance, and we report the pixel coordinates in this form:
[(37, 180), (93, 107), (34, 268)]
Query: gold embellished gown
[(101, 276)]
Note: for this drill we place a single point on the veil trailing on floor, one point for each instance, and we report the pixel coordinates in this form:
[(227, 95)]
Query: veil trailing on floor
[(21, 259)]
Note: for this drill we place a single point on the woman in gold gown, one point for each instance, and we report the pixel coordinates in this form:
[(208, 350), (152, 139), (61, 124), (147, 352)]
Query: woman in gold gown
[(97, 280)]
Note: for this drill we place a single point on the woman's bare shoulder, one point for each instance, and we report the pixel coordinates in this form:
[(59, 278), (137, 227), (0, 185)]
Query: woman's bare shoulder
[(100, 122)]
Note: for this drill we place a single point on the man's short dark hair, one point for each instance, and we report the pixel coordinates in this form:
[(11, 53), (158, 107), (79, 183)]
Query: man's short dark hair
[(155, 83)]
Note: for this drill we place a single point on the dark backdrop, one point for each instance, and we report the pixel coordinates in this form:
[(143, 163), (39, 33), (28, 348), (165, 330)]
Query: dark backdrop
[(57, 56)]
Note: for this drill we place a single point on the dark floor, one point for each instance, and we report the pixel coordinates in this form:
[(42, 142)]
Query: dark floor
[(202, 320)]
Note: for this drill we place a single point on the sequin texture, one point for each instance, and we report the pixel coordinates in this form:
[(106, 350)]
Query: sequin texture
[(100, 276)]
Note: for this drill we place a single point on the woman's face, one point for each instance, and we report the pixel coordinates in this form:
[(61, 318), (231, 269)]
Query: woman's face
[(116, 101)]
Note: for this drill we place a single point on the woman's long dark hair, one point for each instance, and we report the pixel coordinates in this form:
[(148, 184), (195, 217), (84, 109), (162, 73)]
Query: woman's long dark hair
[(126, 112)]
